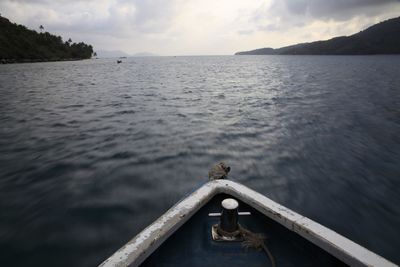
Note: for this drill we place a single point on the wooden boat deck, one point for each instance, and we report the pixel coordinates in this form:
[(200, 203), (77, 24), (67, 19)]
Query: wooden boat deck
[(180, 237), (192, 244)]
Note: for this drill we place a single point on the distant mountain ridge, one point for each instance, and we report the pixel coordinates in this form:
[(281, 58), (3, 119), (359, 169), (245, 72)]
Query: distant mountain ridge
[(118, 53), (144, 54), (381, 38), (111, 54)]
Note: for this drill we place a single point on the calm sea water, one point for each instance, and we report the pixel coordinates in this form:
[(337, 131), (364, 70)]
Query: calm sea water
[(91, 152)]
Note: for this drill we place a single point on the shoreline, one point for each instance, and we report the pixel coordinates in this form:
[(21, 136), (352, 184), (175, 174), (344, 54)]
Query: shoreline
[(19, 61)]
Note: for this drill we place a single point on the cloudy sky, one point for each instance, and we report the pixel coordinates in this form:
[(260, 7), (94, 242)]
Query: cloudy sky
[(198, 27)]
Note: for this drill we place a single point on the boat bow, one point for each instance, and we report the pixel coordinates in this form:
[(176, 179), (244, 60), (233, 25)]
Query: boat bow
[(147, 241)]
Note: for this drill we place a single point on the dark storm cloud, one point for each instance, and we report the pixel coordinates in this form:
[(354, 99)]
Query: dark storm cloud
[(117, 17), (334, 9), (285, 14)]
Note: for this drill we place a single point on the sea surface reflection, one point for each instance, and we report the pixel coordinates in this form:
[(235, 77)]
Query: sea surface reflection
[(91, 152)]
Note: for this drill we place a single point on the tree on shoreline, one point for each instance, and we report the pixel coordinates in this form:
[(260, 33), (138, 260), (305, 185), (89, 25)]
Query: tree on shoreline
[(19, 44)]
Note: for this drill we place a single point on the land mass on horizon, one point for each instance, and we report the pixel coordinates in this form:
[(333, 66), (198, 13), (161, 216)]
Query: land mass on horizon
[(381, 38), (20, 44), (119, 53), (111, 54)]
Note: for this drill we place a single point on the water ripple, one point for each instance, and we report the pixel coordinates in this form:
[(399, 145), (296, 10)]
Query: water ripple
[(91, 152)]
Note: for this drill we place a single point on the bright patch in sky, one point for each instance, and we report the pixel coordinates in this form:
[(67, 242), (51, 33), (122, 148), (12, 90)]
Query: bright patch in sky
[(198, 27)]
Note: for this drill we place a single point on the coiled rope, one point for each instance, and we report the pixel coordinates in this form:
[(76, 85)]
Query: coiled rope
[(251, 240)]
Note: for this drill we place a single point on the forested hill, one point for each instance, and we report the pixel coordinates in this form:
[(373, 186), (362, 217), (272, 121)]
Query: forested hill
[(381, 38), (19, 44)]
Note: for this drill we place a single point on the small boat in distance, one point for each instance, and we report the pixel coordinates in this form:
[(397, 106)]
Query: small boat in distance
[(224, 223), (119, 61)]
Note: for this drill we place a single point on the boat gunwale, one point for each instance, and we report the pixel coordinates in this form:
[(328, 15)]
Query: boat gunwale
[(147, 241)]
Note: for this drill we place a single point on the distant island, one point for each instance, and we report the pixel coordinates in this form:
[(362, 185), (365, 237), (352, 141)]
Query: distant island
[(381, 38), (144, 54), (20, 44), (111, 54), (121, 54)]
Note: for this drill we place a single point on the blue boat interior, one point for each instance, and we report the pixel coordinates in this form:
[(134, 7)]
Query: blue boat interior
[(192, 244)]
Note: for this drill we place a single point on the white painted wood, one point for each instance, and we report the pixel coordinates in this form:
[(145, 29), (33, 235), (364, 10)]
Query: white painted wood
[(143, 244), (218, 214)]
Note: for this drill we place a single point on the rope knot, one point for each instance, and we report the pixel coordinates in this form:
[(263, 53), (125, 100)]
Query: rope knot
[(219, 171)]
